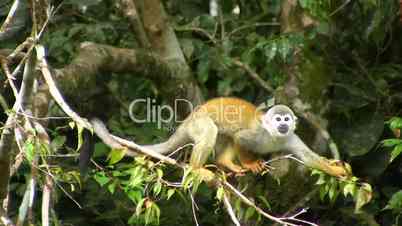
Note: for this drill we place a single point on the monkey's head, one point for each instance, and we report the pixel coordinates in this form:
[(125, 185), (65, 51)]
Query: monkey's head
[(279, 121)]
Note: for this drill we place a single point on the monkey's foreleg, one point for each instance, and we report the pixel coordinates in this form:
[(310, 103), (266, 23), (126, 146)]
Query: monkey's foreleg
[(296, 146)]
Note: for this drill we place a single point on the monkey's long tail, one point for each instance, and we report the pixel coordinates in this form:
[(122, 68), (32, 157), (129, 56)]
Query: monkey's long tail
[(178, 139)]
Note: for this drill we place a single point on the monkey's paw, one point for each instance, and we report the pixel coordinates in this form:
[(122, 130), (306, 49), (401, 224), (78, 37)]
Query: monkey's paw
[(340, 168), (256, 166)]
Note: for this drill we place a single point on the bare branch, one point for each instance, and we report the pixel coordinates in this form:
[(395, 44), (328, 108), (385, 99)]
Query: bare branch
[(130, 11), (47, 191), (194, 207), (254, 76), (55, 92), (229, 208), (10, 16), (5, 219)]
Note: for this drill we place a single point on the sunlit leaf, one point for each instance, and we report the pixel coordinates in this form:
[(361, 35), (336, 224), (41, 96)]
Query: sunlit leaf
[(220, 192), (112, 187), (395, 203), (364, 195), (116, 155), (157, 188), (80, 129), (395, 123), (29, 150), (391, 142), (170, 192), (134, 195), (396, 152), (138, 208), (349, 188)]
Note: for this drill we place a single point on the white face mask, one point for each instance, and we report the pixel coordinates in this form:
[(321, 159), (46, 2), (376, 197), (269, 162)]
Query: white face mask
[(279, 124)]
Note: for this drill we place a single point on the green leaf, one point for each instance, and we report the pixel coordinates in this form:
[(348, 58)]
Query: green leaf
[(395, 203), (270, 51), (396, 152), (349, 188), (71, 124), (203, 69), (134, 195), (101, 150), (391, 142), (170, 192), (101, 178), (80, 129), (157, 212), (333, 190), (284, 48), (321, 179), (395, 123), (58, 142), (364, 195), (159, 172), (138, 208), (220, 192), (265, 201), (157, 188), (29, 150), (249, 213), (112, 187), (116, 155), (323, 192)]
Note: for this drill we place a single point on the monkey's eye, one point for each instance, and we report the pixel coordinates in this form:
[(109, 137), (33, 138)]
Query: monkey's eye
[(287, 118), (278, 119)]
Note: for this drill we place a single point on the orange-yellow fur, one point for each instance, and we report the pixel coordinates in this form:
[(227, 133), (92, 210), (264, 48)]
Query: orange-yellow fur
[(231, 115)]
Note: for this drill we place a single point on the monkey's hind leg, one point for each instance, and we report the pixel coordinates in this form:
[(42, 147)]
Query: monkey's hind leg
[(226, 159), (203, 132), (249, 161)]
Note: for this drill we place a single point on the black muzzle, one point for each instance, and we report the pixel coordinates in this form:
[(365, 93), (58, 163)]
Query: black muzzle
[(283, 128)]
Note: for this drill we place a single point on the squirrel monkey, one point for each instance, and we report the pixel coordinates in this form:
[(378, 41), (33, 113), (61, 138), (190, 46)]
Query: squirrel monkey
[(245, 133)]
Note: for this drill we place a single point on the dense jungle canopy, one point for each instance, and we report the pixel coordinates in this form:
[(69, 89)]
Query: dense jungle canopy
[(141, 66)]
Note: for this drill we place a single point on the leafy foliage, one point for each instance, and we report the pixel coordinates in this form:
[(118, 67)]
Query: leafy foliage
[(332, 187), (349, 63)]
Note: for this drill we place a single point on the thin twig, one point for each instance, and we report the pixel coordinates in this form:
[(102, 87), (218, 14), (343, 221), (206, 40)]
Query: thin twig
[(5, 219), (59, 185), (254, 75), (10, 77), (229, 208), (294, 218), (248, 202), (200, 31), (194, 207), (339, 8), (247, 26), (10, 16)]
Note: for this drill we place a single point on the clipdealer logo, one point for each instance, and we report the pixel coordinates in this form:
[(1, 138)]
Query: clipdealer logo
[(166, 114), (160, 114)]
